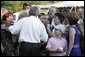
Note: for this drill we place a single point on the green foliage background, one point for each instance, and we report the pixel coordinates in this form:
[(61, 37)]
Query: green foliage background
[(17, 5)]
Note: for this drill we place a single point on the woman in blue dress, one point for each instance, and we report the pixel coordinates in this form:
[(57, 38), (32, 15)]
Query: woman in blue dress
[(73, 36)]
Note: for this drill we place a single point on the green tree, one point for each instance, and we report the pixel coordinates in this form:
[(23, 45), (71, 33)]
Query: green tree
[(17, 5)]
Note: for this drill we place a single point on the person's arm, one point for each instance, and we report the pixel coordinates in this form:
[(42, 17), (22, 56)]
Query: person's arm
[(2, 49), (81, 26), (44, 35), (54, 49), (71, 43), (51, 50), (15, 29), (49, 31)]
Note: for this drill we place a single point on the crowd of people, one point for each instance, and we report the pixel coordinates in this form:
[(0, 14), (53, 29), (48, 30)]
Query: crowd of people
[(30, 33)]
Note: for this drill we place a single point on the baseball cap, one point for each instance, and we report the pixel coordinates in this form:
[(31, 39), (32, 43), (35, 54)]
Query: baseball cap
[(61, 28)]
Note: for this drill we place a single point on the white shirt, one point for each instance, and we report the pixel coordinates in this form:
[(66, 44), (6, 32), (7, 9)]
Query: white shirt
[(31, 30)]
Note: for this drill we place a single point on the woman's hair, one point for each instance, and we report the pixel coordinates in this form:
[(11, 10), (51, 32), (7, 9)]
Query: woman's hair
[(72, 18), (6, 15), (60, 16)]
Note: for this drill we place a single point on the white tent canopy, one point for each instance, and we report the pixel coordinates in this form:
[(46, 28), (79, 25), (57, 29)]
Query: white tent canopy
[(63, 4), (71, 4), (43, 6)]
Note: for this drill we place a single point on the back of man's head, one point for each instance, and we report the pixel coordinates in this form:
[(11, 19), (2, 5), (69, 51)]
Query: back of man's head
[(34, 11)]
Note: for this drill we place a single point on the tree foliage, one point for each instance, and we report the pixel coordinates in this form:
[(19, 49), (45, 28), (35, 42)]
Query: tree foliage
[(17, 5)]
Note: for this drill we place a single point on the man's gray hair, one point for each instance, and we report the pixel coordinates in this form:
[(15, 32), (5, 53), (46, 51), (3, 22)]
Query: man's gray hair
[(34, 11)]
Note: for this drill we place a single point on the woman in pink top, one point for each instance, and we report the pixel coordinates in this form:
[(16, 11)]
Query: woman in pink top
[(57, 45)]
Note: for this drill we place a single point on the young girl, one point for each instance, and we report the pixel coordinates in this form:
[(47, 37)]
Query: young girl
[(57, 45)]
